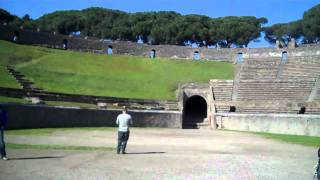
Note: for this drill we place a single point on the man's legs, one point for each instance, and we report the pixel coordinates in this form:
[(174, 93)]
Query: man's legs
[(120, 137), (2, 145), (124, 142)]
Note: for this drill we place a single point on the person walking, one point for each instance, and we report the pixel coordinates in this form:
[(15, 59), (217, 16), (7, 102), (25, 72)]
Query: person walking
[(124, 121), (3, 123)]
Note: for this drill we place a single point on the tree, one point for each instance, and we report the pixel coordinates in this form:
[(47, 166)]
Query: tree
[(5, 16), (238, 30), (311, 25), (283, 32), (163, 27)]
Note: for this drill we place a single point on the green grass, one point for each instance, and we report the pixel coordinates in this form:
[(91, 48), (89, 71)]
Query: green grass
[(102, 75), (57, 147), (7, 80), (61, 103), (50, 131), (294, 139), (4, 99)]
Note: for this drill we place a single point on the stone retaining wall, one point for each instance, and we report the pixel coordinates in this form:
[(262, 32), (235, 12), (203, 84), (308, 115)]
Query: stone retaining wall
[(295, 124), (34, 116)]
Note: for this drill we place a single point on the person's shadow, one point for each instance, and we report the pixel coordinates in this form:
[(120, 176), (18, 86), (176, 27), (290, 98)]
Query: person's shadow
[(145, 152), (35, 158)]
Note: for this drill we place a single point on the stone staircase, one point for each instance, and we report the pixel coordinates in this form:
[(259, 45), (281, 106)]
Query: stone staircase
[(199, 125), (222, 94), (20, 78)]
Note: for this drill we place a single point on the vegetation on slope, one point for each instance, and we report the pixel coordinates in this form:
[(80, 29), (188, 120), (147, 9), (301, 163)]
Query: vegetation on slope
[(103, 75)]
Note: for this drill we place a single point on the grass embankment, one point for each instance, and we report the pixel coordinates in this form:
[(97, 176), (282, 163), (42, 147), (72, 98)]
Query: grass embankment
[(294, 139), (13, 100), (49, 103), (103, 75), (6, 80)]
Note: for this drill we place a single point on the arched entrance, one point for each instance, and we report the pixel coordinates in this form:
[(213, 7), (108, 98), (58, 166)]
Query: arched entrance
[(16, 36), (65, 44), (284, 56), (194, 111), (152, 54), (110, 50), (196, 55), (239, 58)]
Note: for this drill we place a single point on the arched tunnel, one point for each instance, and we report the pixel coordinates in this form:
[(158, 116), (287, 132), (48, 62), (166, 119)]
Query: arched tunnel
[(194, 111)]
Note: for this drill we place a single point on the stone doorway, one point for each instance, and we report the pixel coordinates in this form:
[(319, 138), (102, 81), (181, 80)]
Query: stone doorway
[(65, 44), (194, 112)]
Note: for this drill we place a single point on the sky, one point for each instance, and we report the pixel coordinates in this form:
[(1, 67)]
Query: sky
[(276, 11)]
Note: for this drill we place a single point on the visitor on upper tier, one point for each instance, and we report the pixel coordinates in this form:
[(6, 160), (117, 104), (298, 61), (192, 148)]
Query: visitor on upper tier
[(124, 121), (3, 123)]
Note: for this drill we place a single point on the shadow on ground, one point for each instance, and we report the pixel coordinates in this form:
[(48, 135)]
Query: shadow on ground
[(35, 158), (146, 153)]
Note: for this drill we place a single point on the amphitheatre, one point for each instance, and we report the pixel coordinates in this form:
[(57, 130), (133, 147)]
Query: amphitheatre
[(188, 128)]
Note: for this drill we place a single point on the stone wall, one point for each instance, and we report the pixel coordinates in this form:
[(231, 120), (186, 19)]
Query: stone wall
[(55, 40), (31, 116), (295, 124)]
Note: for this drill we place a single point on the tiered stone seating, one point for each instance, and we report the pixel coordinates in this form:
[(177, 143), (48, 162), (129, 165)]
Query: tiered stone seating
[(222, 94), (270, 85), (274, 90), (264, 68), (301, 68)]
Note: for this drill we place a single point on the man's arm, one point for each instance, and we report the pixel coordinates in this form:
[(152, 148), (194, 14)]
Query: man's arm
[(131, 122), (117, 121)]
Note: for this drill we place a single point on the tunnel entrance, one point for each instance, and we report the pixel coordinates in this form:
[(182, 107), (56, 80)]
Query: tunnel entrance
[(194, 111), (65, 44)]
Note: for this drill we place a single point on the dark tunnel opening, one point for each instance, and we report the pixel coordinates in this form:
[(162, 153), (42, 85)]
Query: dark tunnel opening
[(195, 111)]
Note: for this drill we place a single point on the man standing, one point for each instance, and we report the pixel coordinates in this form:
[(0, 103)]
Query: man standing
[(3, 123), (124, 120)]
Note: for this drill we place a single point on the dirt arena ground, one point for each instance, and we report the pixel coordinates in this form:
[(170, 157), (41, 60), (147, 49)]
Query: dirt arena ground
[(160, 154)]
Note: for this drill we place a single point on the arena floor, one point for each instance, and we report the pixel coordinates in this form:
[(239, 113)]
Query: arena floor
[(160, 154)]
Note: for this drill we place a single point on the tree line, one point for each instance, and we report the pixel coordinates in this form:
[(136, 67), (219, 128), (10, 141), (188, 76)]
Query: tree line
[(169, 27), (306, 29)]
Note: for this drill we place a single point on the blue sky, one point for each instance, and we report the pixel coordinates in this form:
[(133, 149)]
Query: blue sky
[(275, 10)]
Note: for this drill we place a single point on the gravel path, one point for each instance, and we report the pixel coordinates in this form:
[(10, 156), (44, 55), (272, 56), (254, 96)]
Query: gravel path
[(161, 154)]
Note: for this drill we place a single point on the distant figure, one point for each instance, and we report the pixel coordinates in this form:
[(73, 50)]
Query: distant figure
[(3, 123), (124, 120), (317, 168)]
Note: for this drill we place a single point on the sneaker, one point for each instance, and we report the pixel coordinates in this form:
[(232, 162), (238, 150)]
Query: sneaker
[(123, 152), (4, 158)]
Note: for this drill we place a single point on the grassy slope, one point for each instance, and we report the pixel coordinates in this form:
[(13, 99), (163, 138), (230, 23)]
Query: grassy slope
[(13, 100), (119, 76), (295, 139), (6, 80)]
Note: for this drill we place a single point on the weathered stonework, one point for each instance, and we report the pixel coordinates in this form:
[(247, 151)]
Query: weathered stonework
[(54, 40)]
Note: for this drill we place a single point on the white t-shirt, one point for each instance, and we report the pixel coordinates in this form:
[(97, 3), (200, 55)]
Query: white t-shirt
[(124, 121)]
